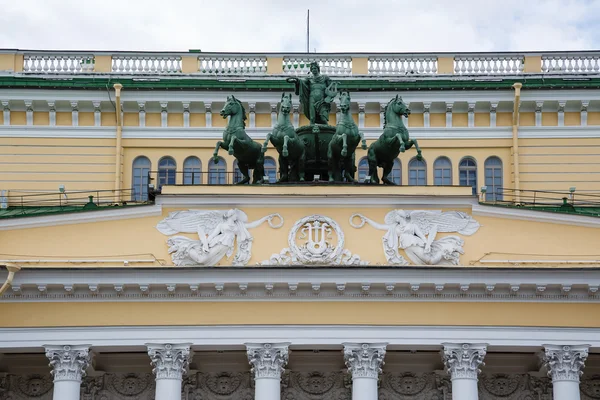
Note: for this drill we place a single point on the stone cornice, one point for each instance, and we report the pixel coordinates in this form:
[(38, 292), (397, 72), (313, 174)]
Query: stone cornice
[(298, 283)]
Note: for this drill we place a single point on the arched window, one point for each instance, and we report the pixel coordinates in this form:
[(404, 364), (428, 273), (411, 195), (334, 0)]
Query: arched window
[(139, 180), (217, 173), (417, 173), (271, 169), (396, 174), (166, 171), (363, 169), (442, 172), (493, 178), (237, 174), (467, 173), (192, 171)]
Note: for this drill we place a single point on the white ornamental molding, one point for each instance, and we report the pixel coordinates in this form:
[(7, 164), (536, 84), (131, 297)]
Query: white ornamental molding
[(220, 233), (415, 233), (321, 243), (364, 360), (565, 363), (462, 361), (170, 361), (268, 359), (68, 362)]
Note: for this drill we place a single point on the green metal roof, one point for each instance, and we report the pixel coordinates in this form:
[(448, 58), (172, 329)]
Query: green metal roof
[(37, 211)]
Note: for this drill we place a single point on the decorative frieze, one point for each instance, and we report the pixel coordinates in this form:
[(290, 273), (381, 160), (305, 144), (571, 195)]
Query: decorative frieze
[(170, 361), (462, 361), (316, 385), (68, 362), (364, 360), (565, 363), (413, 386), (218, 386), (267, 359)]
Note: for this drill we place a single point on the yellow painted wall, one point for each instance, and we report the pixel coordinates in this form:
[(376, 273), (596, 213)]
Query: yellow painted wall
[(549, 119), (86, 119), (263, 120), (504, 118), (175, 120), (525, 119), (41, 118), (64, 119), (460, 119), (108, 119), (593, 118), (437, 120), (71, 314), (572, 118), (152, 119), (131, 119), (197, 119), (372, 120), (483, 119), (415, 120), (18, 118)]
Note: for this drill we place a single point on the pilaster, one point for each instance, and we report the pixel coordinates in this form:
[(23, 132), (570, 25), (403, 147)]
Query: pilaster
[(584, 112), (561, 113), (361, 115), (142, 113), (252, 114), (471, 115), (97, 113), (208, 111), (52, 113), (538, 113), (29, 111), (164, 115), (449, 115), (75, 113), (382, 114), (493, 110), (6, 112), (273, 114), (186, 114), (426, 115), (296, 115)]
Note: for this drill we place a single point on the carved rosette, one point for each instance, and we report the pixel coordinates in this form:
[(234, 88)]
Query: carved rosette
[(364, 360), (170, 361), (267, 359), (68, 362), (462, 361), (565, 363)]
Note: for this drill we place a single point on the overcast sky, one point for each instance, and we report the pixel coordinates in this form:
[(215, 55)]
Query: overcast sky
[(280, 25)]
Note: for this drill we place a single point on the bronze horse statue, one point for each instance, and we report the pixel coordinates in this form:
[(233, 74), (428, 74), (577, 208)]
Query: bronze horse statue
[(393, 141), (340, 154), (236, 141), (292, 153)]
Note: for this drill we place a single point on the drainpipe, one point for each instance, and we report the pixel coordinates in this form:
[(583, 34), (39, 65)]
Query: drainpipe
[(118, 146), (515, 134), (12, 269)]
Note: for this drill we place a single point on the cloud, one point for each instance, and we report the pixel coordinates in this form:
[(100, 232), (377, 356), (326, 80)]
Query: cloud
[(279, 26)]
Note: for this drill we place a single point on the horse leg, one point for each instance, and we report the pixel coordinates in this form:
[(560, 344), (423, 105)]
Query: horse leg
[(330, 161), (301, 160), (244, 170), (419, 156), (344, 145), (402, 145), (348, 169), (285, 151), (284, 167), (216, 152), (266, 143), (387, 168), (372, 164), (231, 144)]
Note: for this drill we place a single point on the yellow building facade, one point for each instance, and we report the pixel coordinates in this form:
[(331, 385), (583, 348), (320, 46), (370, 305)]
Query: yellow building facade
[(139, 270)]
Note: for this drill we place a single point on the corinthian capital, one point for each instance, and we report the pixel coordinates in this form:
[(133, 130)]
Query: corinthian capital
[(267, 359), (364, 360), (565, 363), (170, 361), (462, 361), (68, 362)]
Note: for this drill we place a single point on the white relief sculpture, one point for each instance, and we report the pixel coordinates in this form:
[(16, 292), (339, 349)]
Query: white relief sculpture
[(415, 232), (318, 245), (218, 232)]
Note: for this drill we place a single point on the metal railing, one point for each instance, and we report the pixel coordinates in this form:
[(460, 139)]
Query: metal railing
[(546, 200)]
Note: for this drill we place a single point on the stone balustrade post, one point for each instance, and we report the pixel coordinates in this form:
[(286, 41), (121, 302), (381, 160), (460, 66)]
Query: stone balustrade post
[(364, 362), (170, 362), (462, 362), (268, 361), (68, 369), (565, 366)]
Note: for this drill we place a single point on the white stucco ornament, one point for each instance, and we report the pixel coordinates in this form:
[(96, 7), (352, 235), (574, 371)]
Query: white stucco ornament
[(219, 232), (415, 233), (315, 240)]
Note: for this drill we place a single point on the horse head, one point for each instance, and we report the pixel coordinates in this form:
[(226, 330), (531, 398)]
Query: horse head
[(232, 107), (344, 101), (286, 103), (399, 107)]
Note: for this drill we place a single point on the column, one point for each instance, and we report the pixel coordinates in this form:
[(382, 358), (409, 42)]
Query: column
[(493, 110), (97, 114), (52, 113), (296, 110), (170, 362), (29, 111), (462, 362), (538, 113), (267, 360), (6, 112), (252, 115), (361, 115), (273, 114), (164, 114), (584, 112), (142, 113), (364, 362), (471, 115), (565, 365), (449, 115), (74, 113), (382, 114), (426, 115), (208, 110), (68, 368), (186, 114), (561, 113)]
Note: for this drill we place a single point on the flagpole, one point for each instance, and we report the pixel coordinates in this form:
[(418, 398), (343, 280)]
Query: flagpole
[(308, 31)]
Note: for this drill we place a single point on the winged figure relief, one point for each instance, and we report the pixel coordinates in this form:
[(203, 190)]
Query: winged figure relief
[(220, 233), (415, 232)]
